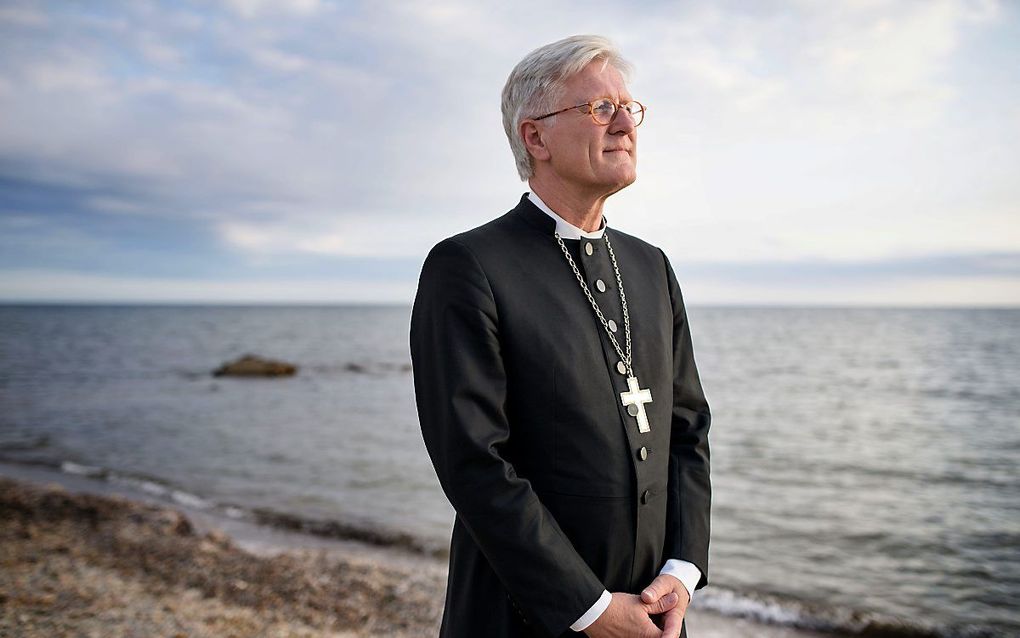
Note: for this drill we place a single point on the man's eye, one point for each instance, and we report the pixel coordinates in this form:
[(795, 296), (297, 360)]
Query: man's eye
[(604, 108)]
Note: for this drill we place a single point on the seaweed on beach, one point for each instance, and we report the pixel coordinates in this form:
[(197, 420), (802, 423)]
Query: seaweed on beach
[(84, 564)]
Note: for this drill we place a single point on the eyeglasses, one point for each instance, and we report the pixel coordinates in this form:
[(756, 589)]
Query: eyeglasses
[(604, 109)]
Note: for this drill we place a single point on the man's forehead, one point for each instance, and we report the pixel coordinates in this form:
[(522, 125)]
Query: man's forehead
[(599, 76)]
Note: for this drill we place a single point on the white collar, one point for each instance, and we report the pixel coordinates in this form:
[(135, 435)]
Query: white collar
[(563, 227)]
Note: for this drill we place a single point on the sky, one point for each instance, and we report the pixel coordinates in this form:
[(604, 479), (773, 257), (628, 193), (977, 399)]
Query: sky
[(305, 151)]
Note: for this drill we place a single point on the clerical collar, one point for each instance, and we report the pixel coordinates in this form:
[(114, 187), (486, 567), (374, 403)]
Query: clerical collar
[(563, 227)]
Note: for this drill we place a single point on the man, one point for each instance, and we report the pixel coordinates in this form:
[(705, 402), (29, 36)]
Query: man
[(556, 384)]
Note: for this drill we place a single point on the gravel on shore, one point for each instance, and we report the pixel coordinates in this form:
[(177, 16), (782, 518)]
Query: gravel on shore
[(85, 565)]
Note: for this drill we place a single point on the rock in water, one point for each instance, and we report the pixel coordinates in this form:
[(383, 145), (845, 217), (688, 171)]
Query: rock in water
[(254, 366)]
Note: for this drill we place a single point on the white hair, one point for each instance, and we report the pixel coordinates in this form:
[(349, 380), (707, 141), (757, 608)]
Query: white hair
[(536, 83)]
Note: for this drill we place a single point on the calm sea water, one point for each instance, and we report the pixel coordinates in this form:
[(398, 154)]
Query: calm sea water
[(864, 460)]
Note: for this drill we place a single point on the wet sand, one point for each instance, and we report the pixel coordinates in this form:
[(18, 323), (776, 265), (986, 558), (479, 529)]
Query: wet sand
[(74, 562)]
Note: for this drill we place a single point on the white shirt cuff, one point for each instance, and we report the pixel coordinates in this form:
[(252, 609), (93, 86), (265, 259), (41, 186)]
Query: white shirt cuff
[(683, 571), (593, 612)]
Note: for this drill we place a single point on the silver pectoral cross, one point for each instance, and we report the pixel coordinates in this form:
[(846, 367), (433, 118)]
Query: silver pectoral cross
[(634, 400)]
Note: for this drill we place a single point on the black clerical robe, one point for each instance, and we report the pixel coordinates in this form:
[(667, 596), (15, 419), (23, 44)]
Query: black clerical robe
[(557, 494)]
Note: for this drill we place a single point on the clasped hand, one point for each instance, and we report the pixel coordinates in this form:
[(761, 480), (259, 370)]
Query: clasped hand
[(631, 616)]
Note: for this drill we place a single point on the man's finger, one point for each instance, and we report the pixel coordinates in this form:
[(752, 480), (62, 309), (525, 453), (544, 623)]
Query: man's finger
[(664, 604), (663, 584), (649, 629), (673, 621)]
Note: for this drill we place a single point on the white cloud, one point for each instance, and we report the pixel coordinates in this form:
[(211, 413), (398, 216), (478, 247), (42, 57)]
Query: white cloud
[(42, 285), (31, 285), (278, 60), (944, 291), (313, 232), (69, 74), (256, 8), (22, 17), (158, 52), (824, 130)]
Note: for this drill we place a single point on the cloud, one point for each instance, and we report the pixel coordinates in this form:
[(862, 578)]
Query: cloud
[(76, 287), (841, 131), (963, 292), (826, 271), (258, 8), (954, 280), (22, 17), (347, 236), (832, 69)]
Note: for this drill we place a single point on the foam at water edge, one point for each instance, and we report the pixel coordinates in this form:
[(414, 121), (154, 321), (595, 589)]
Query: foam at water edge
[(81, 470), (817, 617)]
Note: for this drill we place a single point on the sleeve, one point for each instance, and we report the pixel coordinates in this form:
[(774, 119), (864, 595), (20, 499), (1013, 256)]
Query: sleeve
[(687, 573), (688, 520), (460, 390), (593, 614)]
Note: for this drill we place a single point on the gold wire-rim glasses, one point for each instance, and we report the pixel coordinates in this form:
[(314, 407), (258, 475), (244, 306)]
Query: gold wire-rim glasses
[(635, 109)]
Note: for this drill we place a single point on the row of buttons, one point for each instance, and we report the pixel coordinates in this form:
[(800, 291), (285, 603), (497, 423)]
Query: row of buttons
[(600, 285), (517, 609), (643, 455), (621, 367)]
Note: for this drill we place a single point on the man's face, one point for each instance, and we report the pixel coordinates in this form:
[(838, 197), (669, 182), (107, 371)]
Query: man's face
[(596, 160)]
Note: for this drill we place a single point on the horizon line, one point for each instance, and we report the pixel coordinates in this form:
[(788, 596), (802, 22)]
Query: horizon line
[(367, 303)]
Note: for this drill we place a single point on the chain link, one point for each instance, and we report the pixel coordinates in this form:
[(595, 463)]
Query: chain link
[(626, 358)]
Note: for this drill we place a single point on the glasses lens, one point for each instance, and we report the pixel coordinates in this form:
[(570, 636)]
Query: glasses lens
[(603, 111), (637, 112)]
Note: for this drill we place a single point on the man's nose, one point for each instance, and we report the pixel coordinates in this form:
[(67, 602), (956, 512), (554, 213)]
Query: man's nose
[(623, 122)]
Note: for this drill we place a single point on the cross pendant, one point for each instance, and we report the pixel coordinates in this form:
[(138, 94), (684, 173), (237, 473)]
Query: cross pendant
[(634, 400)]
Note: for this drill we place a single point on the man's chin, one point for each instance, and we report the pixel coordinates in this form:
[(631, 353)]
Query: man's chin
[(624, 183), (628, 179)]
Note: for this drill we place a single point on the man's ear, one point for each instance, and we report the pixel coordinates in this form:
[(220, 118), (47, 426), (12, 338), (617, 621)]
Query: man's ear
[(531, 133)]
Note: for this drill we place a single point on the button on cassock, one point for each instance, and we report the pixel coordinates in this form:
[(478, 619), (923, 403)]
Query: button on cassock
[(588, 248), (601, 285), (612, 325), (621, 367), (643, 454), (644, 497)]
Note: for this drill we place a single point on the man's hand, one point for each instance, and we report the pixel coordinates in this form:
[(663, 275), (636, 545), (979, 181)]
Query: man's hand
[(627, 616), (663, 587)]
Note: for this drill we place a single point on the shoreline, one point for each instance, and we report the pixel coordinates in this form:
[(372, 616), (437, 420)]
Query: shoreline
[(83, 557), (260, 532)]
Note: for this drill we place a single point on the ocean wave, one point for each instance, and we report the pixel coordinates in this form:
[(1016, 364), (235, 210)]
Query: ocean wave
[(775, 610), (24, 441), (164, 490), (341, 530), (92, 471), (978, 476)]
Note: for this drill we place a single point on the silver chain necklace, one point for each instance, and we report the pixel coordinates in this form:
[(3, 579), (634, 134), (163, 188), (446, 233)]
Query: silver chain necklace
[(635, 397)]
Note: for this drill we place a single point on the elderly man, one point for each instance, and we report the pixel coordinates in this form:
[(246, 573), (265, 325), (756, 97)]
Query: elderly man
[(556, 384)]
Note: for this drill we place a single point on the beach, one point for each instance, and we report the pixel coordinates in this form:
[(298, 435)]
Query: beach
[(74, 562), (82, 564)]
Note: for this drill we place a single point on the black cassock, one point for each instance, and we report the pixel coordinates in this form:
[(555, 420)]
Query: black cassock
[(557, 493)]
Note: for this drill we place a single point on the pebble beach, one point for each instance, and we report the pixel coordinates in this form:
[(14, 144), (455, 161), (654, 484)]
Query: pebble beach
[(74, 563), (86, 565)]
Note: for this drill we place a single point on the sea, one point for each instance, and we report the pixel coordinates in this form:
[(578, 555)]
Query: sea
[(864, 460)]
